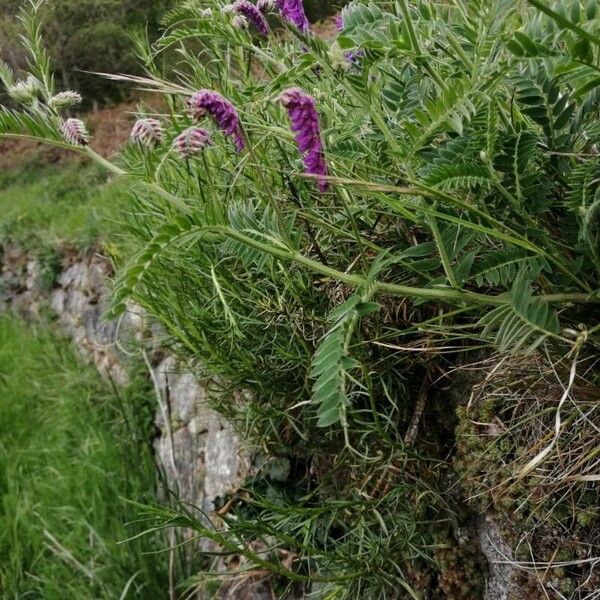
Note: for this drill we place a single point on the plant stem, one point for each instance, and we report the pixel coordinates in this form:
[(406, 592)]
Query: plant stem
[(452, 296), (152, 187)]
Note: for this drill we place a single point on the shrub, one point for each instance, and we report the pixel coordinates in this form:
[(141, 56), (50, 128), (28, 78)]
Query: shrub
[(435, 199)]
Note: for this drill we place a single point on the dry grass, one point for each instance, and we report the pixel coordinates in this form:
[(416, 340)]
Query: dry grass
[(550, 514)]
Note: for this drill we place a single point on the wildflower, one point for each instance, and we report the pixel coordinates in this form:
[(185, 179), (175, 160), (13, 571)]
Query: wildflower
[(148, 133), (252, 14), (192, 142), (25, 91), (208, 102), (240, 22), (293, 12), (265, 5), (75, 132), (353, 58), (207, 13), (64, 100), (305, 124)]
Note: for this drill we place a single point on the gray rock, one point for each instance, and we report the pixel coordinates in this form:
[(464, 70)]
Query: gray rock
[(500, 582), (211, 444)]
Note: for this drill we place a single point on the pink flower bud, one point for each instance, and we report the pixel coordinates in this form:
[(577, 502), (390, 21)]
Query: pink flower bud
[(192, 142), (75, 132), (148, 133)]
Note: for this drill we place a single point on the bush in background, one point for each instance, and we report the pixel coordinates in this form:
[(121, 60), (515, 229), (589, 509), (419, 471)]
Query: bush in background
[(95, 36), (86, 35)]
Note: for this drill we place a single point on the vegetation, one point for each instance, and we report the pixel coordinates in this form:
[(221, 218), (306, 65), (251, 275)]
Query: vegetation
[(72, 204), (460, 224), (72, 449), (88, 35)]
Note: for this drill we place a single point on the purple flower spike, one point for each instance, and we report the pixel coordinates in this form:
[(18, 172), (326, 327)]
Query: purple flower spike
[(148, 133), (305, 124), (75, 132), (207, 102), (252, 14), (293, 11), (192, 142)]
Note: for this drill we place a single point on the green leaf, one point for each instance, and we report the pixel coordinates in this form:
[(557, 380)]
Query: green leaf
[(367, 308)]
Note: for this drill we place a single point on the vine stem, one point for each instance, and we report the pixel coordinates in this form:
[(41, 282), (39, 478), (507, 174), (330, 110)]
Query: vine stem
[(450, 295)]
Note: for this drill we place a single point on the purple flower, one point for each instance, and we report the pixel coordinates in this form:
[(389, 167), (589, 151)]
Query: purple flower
[(252, 14), (208, 102), (148, 133), (293, 11), (351, 57), (305, 124), (75, 132), (192, 142)]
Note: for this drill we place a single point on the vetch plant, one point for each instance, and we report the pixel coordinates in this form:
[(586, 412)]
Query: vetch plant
[(208, 102), (64, 100), (75, 132), (365, 237), (293, 11), (148, 133), (192, 142), (252, 14), (305, 124)]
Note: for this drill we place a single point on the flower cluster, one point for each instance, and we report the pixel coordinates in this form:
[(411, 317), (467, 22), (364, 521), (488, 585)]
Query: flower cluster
[(252, 14), (301, 108), (293, 12), (208, 102), (64, 100), (148, 133), (75, 132), (192, 142), (25, 91), (305, 124)]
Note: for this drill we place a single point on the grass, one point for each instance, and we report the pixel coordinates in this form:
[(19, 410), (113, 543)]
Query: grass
[(48, 206), (71, 450)]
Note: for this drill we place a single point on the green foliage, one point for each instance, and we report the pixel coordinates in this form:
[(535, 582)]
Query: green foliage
[(48, 207), (85, 35), (462, 141), (72, 450)]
